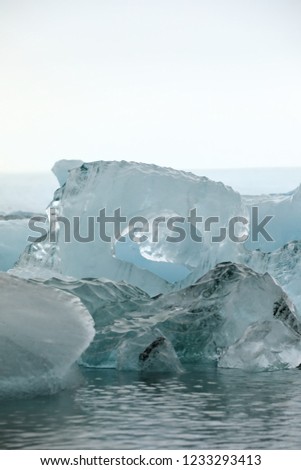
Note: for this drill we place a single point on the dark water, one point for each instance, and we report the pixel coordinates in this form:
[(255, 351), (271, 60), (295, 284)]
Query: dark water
[(206, 408)]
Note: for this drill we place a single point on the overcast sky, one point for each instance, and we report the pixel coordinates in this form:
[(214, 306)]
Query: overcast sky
[(188, 84)]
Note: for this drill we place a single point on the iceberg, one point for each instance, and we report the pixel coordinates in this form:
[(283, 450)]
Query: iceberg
[(43, 333), (207, 321), (157, 303), (136, 191)]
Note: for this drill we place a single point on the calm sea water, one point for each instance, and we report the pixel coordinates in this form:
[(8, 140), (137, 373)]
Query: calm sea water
[(203, 408)]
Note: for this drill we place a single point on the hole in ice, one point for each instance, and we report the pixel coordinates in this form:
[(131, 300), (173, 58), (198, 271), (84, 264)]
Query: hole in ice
[(155, 261)]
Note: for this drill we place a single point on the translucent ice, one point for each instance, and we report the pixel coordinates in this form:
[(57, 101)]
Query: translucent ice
[(285, 223), (204, 321), (265, 345), (43, 332), (137, 190)]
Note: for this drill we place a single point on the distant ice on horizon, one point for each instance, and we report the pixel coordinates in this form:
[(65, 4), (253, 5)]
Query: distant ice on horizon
[(255, 181), (27, 192)]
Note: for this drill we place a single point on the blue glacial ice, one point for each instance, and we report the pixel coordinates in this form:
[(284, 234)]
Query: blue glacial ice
[(136, 189), (159, 305), (206, 321)]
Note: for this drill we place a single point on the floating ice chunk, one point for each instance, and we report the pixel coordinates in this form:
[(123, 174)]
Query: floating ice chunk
[(43, 331), (200, 322), (267, 345), (137, 190), (212, 314)]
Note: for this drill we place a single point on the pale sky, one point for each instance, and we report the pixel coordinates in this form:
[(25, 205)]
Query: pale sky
[(187, 84)]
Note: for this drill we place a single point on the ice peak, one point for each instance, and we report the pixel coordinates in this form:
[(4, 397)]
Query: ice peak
[(62, 167)]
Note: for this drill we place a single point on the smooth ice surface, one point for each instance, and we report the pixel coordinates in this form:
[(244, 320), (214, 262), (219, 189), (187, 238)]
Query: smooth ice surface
[(43, 332)]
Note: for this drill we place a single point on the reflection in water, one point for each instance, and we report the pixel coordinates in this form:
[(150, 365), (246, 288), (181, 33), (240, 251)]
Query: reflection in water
[(203, 408)]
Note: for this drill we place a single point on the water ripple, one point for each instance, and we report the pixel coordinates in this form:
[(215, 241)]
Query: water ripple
[(206, 408)]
